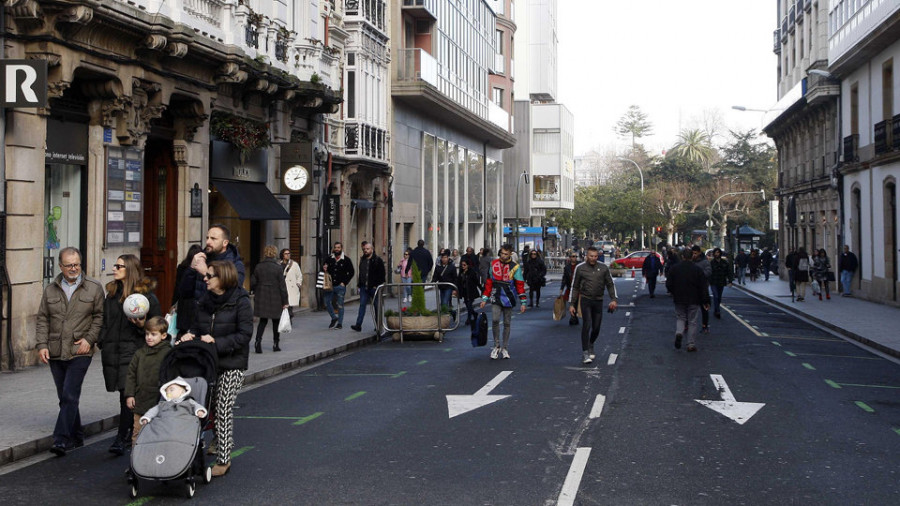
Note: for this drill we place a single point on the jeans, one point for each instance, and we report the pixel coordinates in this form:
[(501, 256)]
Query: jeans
[(686, 321), (336, 298), (496, 311), (766, 268), (741, 274), (68, 375), (365, 296), (592, 317), (717, 297), (407, 290), (846, 281)]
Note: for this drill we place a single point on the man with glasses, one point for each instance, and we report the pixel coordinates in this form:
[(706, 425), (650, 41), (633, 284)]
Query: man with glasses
[(67, 327)]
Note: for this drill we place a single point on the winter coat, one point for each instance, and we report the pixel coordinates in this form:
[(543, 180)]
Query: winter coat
[(651, 266), (229, 319), (422, 257), (688, 284), (848, 262), (269, 289), (801, 275), (119, 338), (293, 278), (484, 268), (721, 272), (445, 274), (535, 272), (194, 282), (820, 268), (60, 321), (704, 266), (754, 262), (142, 382), (766, 258), (468, 284), (341, 271), (742, 260), (591, 281), (471, 259), (376, 274), (184, 302)]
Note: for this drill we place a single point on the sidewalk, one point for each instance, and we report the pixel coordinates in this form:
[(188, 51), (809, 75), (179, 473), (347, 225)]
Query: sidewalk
[(870, 323), (28, 403)]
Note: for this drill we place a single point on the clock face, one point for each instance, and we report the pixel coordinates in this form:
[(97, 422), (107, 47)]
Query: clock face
[(296, 177)]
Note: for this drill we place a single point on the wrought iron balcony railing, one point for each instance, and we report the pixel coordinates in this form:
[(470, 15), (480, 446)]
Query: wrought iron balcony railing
[(362, 139)]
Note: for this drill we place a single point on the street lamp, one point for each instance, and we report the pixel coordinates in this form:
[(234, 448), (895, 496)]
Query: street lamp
[(516, 224), (642, 194), (709, 221)]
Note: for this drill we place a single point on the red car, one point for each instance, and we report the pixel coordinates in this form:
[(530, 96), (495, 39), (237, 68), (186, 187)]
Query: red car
[(636, 260)]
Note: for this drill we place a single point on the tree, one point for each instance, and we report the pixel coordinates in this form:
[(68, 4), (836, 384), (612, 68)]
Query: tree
[(672, 200), (695, 146), (634, 123), (748, 160)]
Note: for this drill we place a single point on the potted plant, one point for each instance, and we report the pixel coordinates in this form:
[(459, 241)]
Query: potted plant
[(617, 269), (417, 318)]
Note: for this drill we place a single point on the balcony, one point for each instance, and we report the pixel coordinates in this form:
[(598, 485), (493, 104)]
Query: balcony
[(372, 11), (851, 148), (420, 9), (251, 36), (895, 132), (499, 116), (417, 64), (799, 12), (882, 137), (776, 39), (366, 141)]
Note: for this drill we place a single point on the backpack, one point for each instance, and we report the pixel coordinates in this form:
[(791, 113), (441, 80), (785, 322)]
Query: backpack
[(803, 264), (479, 330)]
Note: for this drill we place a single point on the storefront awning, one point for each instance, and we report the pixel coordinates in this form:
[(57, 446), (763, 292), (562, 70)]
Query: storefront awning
[(363, 204), (252, 201)]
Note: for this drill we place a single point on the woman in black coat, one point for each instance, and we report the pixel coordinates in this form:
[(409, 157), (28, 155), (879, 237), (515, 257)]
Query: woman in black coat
[(185, 306), (225, 319), (469, 287), (121, 336), (270, 295), (535, 272), (801, 266)]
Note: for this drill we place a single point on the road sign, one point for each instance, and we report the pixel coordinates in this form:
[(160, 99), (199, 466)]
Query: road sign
[(23, 83), (709, 223)]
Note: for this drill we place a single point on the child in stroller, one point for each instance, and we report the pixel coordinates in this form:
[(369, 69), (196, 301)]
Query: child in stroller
[(170, 445)]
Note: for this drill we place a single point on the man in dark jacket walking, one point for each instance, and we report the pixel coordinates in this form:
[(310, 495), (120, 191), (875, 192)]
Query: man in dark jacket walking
[(650, 270), (371, 275), (591, 279), (218, 247), (766, 259), (700, 259), (341, 270), (422, 257), (847, 265), (741, 261), (566, 283), (690, 290)]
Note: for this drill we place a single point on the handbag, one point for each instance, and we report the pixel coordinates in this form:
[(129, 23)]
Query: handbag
[(829, 276), (559, 308), (284, 323), (324, 281)]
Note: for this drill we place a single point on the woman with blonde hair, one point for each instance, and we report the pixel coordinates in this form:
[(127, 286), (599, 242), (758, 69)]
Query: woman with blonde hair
[(121, 336), (270, 295)]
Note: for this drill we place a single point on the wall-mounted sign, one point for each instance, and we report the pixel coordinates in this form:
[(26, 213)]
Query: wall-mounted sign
[(196, 201), (24, 83), (225, 163), (124, 196), (333, 211)]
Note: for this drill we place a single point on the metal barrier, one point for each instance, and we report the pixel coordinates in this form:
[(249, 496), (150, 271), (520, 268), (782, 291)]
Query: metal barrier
[(381, 321), (555, 264)]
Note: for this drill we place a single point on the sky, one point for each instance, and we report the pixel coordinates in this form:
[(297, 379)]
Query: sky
[(675, 59)]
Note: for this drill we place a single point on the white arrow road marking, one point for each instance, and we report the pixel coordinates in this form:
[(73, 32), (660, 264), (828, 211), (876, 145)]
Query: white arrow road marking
[(459, 404), (740, 412), (598, 406), (573, 479)]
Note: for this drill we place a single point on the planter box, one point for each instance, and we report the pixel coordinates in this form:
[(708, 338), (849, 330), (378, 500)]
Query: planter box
[(417, 326), (618, 273)]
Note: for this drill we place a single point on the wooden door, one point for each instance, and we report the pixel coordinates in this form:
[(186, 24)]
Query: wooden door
[(160, 248)]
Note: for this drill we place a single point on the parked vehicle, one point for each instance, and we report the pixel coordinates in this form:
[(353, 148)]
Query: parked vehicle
[(608, 247), (636, 260)]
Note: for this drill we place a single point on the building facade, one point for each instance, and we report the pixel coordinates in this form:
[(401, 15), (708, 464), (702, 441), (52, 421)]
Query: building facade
[(446, 150), (803, 125), (863, 46), (163, 118)]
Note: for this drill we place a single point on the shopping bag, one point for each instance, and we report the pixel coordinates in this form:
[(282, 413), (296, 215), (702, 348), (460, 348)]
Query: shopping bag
[(284, 323), (479, 330), (816, 289), (559, 308), (173, 323)]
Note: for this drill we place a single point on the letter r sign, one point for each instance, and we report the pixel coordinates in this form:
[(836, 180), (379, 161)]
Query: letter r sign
[(23, 83)]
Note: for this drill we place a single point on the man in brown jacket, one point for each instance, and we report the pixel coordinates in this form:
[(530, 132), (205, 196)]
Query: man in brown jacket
[(67, 327)]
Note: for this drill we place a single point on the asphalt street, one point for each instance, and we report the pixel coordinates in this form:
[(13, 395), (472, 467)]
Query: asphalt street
[(373, 426)]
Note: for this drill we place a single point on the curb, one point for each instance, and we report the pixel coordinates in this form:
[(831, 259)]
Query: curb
[(840, 330), (20, 451)]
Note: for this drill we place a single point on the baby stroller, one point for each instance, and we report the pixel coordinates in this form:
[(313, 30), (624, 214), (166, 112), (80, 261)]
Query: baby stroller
[(171, 448)]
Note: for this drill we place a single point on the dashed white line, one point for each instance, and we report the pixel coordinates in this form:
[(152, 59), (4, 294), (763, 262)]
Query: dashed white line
[(612, 359), (627, 313), (573, 479), (598, 406), (621, 330)]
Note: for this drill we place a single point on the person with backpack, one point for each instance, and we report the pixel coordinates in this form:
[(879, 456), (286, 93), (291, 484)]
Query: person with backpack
[(801, 272), (504, 285)]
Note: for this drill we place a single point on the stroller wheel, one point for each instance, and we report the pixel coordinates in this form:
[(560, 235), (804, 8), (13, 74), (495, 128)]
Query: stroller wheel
[(190, 488), (134, 490), (207, 475)]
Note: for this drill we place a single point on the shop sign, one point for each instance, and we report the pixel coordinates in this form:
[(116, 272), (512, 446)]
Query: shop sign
[(333, 211), (225, 162), (24, 83)]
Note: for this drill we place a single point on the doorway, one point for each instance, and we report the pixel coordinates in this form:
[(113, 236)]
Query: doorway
[(160, 247)]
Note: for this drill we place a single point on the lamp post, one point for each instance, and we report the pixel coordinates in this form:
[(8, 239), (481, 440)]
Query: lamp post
[(516, 224), (642, 194), (709, 221)]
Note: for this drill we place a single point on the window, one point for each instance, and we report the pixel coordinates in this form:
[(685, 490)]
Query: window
[(351, 94), (887, 89), (854, 108), (498, 41), (497, 96)]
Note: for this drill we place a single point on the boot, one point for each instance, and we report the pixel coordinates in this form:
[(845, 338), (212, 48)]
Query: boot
[(275, 347), (257, 347)]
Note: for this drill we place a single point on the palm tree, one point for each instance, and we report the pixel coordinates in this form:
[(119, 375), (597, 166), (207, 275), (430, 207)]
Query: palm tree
[(695, 145)]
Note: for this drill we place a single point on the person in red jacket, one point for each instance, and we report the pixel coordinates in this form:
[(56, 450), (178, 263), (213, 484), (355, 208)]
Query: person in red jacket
[(503, 284)]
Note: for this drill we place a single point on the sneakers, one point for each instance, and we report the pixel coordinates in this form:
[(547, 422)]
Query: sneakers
[(357, 328), (678, 338), (504, 353), (333, 323), (495, 353), (591, 353), (338, 326), (586, 357)]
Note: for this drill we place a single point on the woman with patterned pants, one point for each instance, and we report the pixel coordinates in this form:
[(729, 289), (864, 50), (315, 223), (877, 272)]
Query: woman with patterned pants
[(225, 320)]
